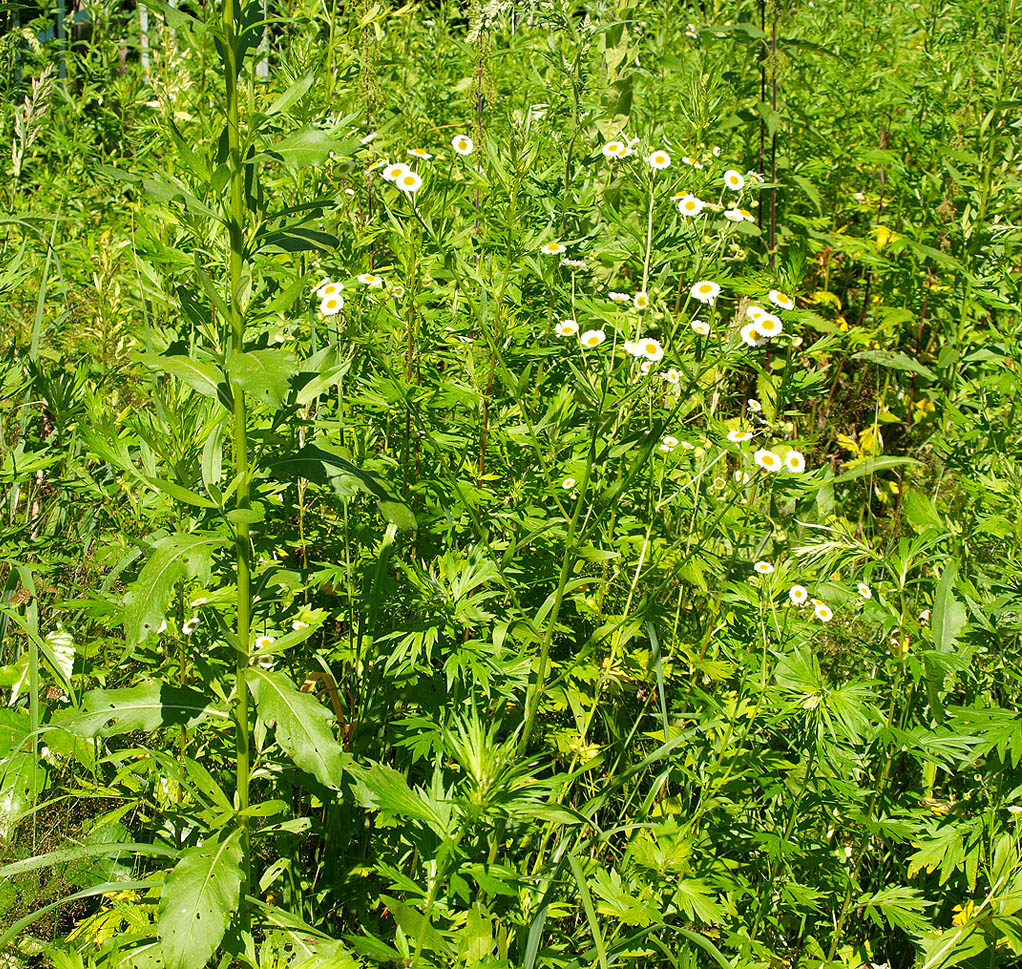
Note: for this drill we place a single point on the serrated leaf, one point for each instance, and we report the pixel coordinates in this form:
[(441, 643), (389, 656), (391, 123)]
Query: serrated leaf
[(302, 723), (199, 896), (263, 374), (146, 707), (386, 789), (204, 378), (173, 557)]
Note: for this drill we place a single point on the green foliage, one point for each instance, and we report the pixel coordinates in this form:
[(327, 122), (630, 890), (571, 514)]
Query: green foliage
[(430, 574)]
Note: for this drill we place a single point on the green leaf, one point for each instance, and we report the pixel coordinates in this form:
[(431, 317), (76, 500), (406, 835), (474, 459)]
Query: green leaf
[(919, 509), (308, 147), (895, 360), (204, 378), (303, 725), (147, 707), (199, 896), (902, 907), (318, 464), (948, 618), (872, 466), (292, 94), (263, 374), (173, 557), (415, 925), (386, 789)]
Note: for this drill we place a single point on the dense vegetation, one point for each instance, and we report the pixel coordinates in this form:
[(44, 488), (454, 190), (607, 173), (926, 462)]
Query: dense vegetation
[(531, 485)]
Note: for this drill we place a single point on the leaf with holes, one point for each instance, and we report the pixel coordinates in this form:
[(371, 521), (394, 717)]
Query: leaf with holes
[(263, 374), (173, 557), (302, 725), (199, 895), (146, 707)]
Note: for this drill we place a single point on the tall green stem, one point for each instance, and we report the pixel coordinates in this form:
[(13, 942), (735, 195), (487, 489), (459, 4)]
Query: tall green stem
[(236, 231)]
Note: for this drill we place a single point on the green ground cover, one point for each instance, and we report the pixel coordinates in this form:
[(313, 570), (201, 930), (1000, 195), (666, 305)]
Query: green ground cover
[(520, 485)]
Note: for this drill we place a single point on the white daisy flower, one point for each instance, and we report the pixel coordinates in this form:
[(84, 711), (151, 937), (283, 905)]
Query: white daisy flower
[(741, 477), (190, 625), (593, 338), (568, 483), (566, 328), (690, 205), (865, 591), (409, 182), (641, 300), (646, 367), (651, 349), (198, 601), (669, 442), (658, 160), (394, 171), (574, 263), (767, 460), (297, 624), (266, 661), (795, 462), (754, 405), (419, 153), (751, 335), (823, 612), (612, 149), (368, 279), (781, 300), (763, 568), (672, 377), (632, 348), (739, 437), (263, 642), (620, 297), (798, 595), (462, 144), (705, 291), (734, 180), (552, 249), (398, 292), (769, 325), (331, 305), (755, 313), (700, 328), (328, 288)]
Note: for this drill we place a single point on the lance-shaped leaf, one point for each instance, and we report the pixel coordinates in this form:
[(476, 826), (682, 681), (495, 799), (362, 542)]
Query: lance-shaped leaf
[(302, 725), (173, 557), (263, 374), (147, 707), (324, 466), (204, 378), (199, 895)]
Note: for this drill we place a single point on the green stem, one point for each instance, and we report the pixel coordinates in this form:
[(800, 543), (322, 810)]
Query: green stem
[(236, 230)]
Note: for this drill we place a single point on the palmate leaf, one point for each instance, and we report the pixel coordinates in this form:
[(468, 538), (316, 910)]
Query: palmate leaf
[(302, 725), (173, 557), (902, 907), (146, 707), (199, 894)]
